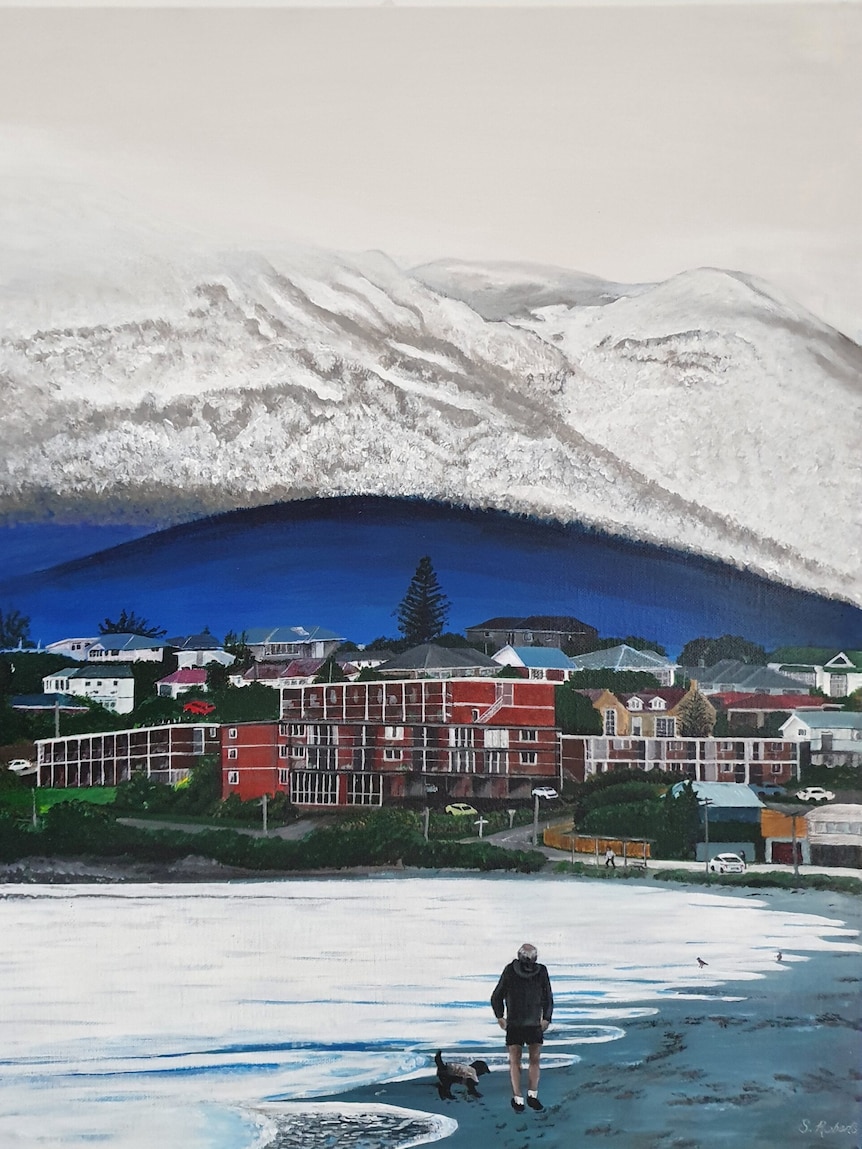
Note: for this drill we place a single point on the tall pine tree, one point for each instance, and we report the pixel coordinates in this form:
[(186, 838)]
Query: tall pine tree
[(423, 611)]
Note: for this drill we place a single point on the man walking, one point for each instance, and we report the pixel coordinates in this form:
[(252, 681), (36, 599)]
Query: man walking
[(610, 858), (523, 1005)]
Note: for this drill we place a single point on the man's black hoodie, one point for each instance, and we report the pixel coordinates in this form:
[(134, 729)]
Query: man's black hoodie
[(523, 994)]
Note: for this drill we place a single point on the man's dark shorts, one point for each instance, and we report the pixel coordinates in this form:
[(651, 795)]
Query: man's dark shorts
[(524, 1035)]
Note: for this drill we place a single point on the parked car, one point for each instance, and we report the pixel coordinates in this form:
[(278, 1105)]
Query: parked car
[(727, 864), (814, 794), (198, 706), (460, 809), (767, 789), (22, 766), (545, 792)]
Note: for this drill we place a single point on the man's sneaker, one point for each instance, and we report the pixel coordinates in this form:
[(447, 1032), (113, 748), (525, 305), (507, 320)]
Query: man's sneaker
[(518, 1106), (534, 1103)]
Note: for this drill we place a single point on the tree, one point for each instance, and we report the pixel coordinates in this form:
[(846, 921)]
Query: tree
[(330, 671), (575, 714), (696, 715), (218, 676), (14, 629), (130, 623), (423, 611), (709, 651), (627, 681)]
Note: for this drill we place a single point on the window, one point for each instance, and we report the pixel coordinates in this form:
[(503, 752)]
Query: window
[(283, 729), (297, 730), (364, 790), (537, 674), (529, 735), (665, 727), (499, 739), (284, 751), (474, 714), (635, 704), (777, 767), (233, 777), (610, 722), (529, 757), (462, 736), (297, 751), (393, 733), (658, 704), (391, 754), (314, 789), (637, 727), (495, 761), (233, 752), (232, 732), (212, 732), (283, 777), (676, 746)]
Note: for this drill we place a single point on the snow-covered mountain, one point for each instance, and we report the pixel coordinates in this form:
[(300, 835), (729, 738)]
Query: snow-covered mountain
[(706, 412)]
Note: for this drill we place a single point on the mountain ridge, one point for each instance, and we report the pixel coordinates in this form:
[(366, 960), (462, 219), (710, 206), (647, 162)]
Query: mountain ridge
[(323, 374)]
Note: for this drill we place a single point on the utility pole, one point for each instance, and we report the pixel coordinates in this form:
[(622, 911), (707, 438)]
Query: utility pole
[(56, 715), (263, 803), (706, 803), (535, 819), (426, 818)]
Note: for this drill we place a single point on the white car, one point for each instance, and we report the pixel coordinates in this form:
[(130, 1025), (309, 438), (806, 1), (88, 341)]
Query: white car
[(22, 766), (545, 792), (727, 864), (814, 794)]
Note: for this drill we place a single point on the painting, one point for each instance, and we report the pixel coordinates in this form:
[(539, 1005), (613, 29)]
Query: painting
[(546, 317)]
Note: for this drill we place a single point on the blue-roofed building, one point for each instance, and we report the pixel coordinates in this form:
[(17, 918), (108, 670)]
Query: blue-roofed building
[(286, 642), (542, 663), (43, 703), (728, 801)]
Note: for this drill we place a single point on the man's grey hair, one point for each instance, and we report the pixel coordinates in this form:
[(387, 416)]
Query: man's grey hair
[(528, 952)]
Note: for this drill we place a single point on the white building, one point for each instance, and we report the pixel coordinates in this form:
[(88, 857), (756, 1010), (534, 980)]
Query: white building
[(836, 673), (111, 686), (77, 648), (126, 648), (827, 731)]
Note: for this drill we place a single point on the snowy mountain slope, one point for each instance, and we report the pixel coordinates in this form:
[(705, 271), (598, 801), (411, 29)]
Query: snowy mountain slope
[(703, 413)]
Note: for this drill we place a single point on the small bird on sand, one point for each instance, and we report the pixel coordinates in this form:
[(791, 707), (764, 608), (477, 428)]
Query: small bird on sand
[(778, 956), (702, 963)]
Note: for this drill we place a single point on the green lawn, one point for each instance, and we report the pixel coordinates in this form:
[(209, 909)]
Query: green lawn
[(100, 795)]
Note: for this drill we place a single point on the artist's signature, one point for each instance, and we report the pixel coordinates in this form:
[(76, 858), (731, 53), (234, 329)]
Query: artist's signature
[(827, 1129)]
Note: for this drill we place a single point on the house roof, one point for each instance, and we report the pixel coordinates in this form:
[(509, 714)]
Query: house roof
[(835, 812), (734, 673), (670, 694), (186, 676), (541, 657), (830, 719), (803, 655), (549, 622), (259, 635), (273, 671), (853, 657), (46, 702), (201, 641), (128, 642), (730, 795), (429, 656), (95, 670), (736, 701), (621, 657)]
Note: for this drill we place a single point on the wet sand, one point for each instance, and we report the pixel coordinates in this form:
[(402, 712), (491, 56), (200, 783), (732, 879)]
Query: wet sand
[(780, 1068)]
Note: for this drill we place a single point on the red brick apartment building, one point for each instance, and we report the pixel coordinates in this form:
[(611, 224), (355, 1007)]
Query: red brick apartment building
[(366, 743), (164, 753)]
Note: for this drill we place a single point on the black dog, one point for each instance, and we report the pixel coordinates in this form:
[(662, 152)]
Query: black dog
[(451, 1073)]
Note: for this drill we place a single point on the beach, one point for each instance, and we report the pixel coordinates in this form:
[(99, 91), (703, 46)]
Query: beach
[(778, 1066), (304, 1013)]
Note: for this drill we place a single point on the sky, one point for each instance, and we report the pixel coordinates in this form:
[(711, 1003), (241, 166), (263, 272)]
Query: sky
[(632, 142)]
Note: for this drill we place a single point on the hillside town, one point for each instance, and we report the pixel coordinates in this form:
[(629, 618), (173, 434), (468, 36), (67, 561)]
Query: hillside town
[(514, 711)]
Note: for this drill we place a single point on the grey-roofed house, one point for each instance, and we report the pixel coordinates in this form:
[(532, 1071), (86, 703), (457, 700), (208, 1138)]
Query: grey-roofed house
[(283, 642), (126, 648), (111, 685), (432, 661), (198, 650), (560, 630), (624, 657), (731, 675), (828, 737)]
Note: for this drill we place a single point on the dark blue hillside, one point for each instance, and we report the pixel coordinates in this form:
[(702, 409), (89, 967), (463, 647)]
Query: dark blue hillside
[(345, 564)]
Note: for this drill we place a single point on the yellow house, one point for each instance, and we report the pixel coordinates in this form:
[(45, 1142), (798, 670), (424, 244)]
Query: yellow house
[(649, 713)]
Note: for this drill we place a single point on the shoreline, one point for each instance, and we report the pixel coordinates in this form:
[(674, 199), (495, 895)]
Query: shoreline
[(774, 1061)]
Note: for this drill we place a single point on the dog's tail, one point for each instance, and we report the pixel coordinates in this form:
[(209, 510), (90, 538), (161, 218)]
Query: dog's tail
[(438, 1060)]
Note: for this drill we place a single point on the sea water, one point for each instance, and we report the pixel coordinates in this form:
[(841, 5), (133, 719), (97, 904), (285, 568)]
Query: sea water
[(211, 1016)]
